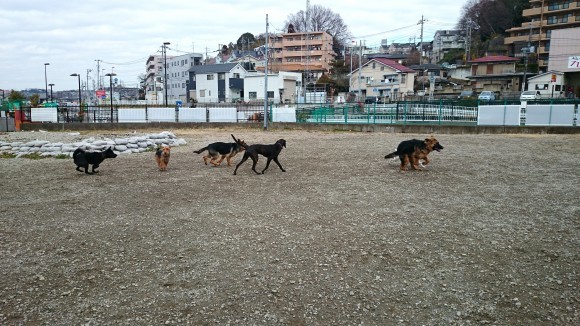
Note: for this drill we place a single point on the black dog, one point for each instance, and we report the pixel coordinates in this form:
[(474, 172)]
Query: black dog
[(269, 151), (83, 158), (225, 150)]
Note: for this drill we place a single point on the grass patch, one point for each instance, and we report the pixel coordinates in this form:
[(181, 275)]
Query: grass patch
[(62, 156), (34, 156), (7, 155)]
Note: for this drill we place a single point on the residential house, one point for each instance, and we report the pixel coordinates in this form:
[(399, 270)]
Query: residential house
[(401, 48), (543, 18), (178, 75), (445, 41), (495, 73), (309, 53), (216, 83), (382, 78), (548, 85), (283, 87)]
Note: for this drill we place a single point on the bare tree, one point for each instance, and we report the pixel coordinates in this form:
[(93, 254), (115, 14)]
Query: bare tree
[(321, 19), (492, 17)]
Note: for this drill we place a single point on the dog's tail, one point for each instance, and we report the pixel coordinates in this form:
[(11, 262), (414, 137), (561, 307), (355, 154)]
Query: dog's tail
[(200, 150), (393, 154)]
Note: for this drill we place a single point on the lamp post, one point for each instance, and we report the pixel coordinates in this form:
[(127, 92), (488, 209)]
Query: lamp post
[(46, 81), (111, 91), (165, 44), (80, 98), (51, 91)]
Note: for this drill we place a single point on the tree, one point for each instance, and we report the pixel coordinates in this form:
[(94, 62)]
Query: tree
[(34, 100), (321, 19), (492, 17), (245, 41), (16, 96)]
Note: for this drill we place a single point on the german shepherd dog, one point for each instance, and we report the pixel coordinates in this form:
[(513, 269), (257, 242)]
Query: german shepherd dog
[(162, 157), (271, 152), (225, 150), (83, 158), (414, 150)]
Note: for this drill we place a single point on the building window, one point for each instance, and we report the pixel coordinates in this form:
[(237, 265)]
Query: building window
[(202, 93), (374, 65), (403, 78), (221, 76), (270, 94), (236, 75), (382, 68), (210, 77), (252, 95)]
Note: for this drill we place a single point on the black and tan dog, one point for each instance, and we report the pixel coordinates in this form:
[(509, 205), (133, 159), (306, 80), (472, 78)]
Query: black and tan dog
[(271, 152), (225, 150), (414, 150), (83, 158)]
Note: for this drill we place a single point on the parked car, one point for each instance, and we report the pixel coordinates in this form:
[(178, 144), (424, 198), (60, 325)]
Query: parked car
[(466, 95), (530, 95), (486, 96)]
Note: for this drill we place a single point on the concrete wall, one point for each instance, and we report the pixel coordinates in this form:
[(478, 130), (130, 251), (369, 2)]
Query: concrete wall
[(414, 129)]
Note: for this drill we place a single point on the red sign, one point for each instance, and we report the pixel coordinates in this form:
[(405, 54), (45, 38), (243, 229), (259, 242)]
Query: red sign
[(101, 92), (553, 78)]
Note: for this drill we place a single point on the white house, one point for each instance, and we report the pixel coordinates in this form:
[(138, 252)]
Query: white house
[(216, 83), (283, 87), (549, 84)]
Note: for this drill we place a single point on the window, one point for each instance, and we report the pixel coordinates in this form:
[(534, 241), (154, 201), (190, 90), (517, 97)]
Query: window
[(236, 75), (253, 95), (382, 68), (209, 77), (403, 78), (202, 93), (374, 65), (271, 94), (221, 76)]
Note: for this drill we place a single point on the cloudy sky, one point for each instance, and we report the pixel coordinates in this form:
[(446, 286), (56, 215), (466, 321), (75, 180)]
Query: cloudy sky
[(72, 35)]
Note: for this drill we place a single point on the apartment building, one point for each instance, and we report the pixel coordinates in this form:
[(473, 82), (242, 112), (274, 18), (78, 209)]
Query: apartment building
[(154, 87), (543, 17), (309, 53), (178, 75), (445, 41)]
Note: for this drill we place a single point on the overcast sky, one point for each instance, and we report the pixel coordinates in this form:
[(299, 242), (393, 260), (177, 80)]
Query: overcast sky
[(71, 35)]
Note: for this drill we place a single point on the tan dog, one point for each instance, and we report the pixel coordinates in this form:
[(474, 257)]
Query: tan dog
[(412, 151), (162, 157)]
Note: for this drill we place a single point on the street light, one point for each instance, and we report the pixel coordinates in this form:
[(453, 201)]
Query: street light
[(51, 91), (111, 91), (45, 81), (165, 44), (80, 98)]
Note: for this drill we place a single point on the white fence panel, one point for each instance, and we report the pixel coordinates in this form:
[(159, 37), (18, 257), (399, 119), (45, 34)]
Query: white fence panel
[(192, 115), (223, 115), (550, 115), (498, 115), (132, 115), (161, 114), (43, 115), (284, 114)]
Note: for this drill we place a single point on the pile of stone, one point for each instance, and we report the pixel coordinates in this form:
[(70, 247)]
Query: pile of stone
[(136, 144)]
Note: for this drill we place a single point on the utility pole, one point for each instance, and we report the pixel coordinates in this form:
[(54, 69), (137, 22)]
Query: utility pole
[(88, 95), (165, 44), (359, 70), (422, 22), (266, 79), (468, 41), (98, 72), (526, 52), (307, 45)]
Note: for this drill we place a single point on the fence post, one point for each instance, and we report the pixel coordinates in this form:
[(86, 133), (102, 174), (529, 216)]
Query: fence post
[(345, 113), (440, 110)]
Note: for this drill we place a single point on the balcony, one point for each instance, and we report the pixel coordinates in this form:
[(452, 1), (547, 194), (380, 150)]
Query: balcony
[(236, 83)]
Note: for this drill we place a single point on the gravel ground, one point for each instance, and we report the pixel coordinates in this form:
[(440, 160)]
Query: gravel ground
[(488, 234)]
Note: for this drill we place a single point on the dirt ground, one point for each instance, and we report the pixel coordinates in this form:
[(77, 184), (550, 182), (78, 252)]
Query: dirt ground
[(489, 233)]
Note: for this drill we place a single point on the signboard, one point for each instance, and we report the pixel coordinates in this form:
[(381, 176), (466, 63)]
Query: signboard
[(574, 62), (100, 92), (553, 80)]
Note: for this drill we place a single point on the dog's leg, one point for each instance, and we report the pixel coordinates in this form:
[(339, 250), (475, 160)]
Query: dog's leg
[(404, 162), (79, 169), (241, 162), (279, 165), (255, 161), (267, 165), (229, 160), (95, 166)]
